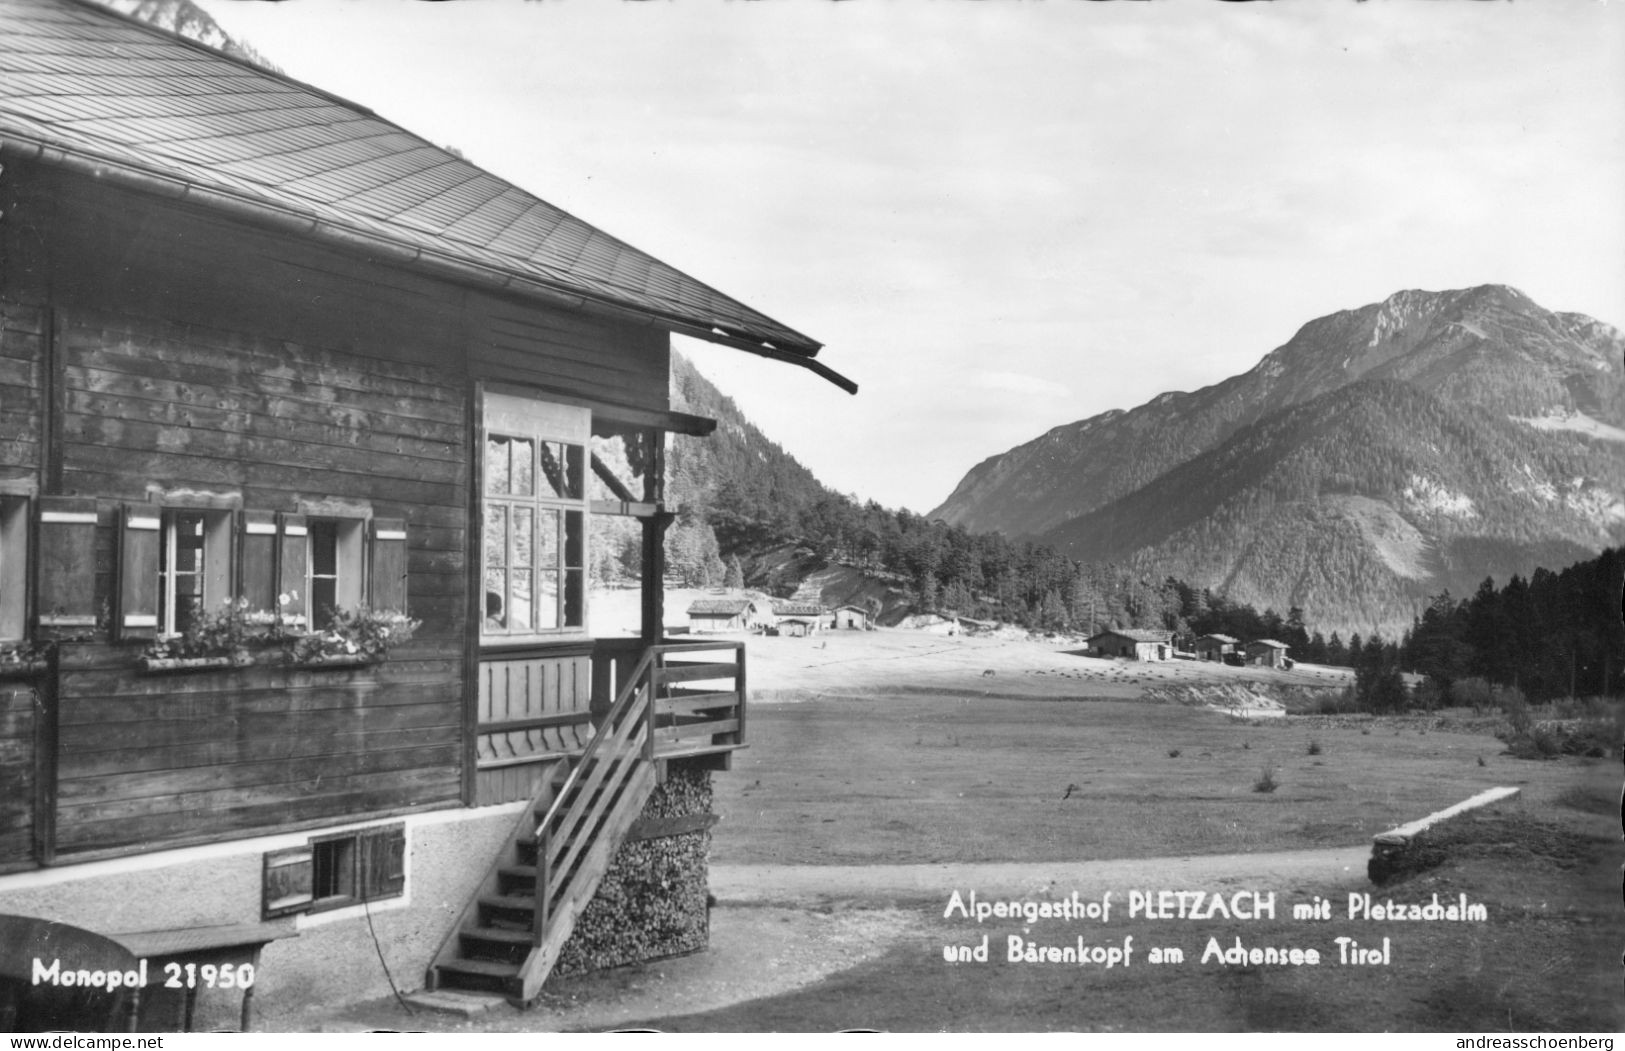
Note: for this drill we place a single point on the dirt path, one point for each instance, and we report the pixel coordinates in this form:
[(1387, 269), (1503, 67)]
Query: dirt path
[(877, 884), (778, 928)]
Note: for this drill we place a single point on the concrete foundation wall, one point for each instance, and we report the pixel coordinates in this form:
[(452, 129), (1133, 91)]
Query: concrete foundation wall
[(332, 960)]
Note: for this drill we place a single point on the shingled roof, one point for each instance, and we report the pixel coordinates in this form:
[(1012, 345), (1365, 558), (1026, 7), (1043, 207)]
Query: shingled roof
[(718, 607), (1136, 634), (89, 88)]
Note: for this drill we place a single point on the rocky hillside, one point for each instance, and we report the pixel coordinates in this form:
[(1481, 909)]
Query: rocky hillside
[(1381, 455)]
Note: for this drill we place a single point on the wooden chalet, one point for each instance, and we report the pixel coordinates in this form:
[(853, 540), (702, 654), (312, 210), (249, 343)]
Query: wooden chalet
[(271, 366), (1133, 643), (728, 614), (1215, 647), (797, 619), (853, 618), (1268, 653)]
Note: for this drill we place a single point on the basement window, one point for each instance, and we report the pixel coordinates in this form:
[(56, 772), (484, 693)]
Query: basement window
[(336, 871)]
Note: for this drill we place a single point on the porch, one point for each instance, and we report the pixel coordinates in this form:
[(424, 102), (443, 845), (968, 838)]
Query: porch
[(539, 706)]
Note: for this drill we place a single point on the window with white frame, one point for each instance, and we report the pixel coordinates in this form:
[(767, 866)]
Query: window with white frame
[(194, 566), (335, 575), (13, 568), (534, 543)]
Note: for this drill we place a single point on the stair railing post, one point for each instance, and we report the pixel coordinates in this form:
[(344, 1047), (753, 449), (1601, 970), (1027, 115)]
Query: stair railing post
[(739, 689), (649, 719), (544, 883)]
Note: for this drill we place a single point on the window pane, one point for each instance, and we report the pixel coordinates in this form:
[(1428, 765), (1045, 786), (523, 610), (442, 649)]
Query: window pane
[(574, 607), (496, 600), (523, 477), (496, 535), (496, 464), (188, 543), (523, 544), (574, 536), (563, 466), (324, 546), (324, 599), (547, 538), (575, 460), (519, 612), (187, 607), (547, 598)]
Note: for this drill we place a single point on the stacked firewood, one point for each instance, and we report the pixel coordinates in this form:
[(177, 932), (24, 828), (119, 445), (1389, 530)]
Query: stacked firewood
[(652, 901)]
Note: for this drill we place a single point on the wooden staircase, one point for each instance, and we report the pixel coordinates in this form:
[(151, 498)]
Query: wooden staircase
[(513, 928)]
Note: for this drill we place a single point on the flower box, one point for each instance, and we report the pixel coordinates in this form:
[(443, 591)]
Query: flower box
[(336, 660), (23, 669), (153, 665)]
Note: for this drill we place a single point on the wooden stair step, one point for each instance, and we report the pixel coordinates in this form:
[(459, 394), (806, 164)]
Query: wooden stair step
[(504, 935), (497, 905), (481, 968), (495, 944)]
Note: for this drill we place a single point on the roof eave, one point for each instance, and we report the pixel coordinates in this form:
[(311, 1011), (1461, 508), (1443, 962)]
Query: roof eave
[(166, 184)]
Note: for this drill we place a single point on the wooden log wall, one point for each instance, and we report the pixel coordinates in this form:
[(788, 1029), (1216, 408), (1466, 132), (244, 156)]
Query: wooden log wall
[(22, 408), (505, 336), (190, 351), (150, 759), (17, 774)]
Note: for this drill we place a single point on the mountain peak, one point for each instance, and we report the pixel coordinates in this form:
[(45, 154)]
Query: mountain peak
[(1484, 359)]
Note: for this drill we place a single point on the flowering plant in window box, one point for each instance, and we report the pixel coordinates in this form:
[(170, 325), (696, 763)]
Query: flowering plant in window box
[(274, 625), (23, 659), (216, 639), (358, 636)]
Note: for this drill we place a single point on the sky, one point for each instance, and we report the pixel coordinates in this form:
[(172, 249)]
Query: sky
[(1001, 217)]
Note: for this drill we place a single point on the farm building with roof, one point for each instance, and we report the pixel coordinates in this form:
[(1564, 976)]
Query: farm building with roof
[(1215, 647), (797, 618), (298, 464), (1133, 643), (738, 613), (1268, 653), (850, 617)]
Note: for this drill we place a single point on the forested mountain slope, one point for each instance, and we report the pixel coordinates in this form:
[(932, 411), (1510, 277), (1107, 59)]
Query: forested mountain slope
[(1361, 503), (1381, 455)]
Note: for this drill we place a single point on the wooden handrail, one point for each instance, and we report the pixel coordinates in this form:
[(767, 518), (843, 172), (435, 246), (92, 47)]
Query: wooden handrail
[(584, 782), (586, 818)]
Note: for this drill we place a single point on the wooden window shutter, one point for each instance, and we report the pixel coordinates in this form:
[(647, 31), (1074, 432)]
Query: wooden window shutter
[(289, 881), (259, 584), (67, 562), (388, 574), (219, 567), (139, 535), (293, 564), (383, 862)]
